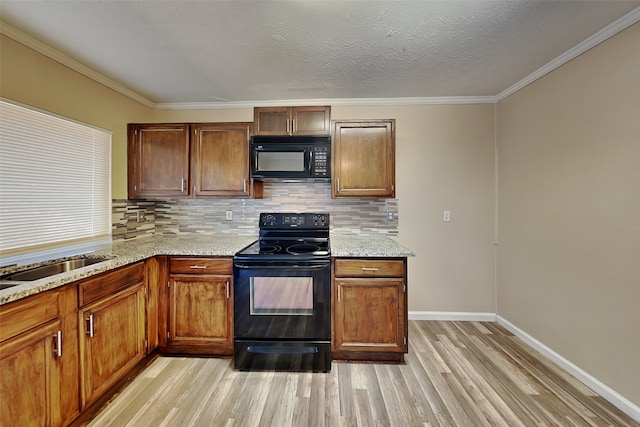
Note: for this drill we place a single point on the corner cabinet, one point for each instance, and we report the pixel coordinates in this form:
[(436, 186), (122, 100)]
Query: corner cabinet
[(39, 359), (112, 328), (158, 161), (292, 120), (363, 158), (169, 161), (370, 309), (200, 300)]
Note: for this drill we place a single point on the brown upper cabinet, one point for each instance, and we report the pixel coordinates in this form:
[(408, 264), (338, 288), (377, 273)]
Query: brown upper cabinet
[(292, 120), (167, 161), (158, 161), (220, 159), (363, 158)]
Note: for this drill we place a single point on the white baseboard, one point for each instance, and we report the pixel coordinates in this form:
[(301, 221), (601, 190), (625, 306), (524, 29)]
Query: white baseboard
[(452, 315), (616, 399)]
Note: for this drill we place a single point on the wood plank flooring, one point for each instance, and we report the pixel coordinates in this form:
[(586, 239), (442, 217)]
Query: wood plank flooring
[(456, 374)]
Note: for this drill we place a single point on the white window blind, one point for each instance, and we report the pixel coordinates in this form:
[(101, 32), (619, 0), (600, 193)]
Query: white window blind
[(55, 180)]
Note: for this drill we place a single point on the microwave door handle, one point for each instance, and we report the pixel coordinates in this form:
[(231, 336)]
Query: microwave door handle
[(310, 160)]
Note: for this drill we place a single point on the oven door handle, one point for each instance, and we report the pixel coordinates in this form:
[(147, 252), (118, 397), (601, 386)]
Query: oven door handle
[(280, 267)]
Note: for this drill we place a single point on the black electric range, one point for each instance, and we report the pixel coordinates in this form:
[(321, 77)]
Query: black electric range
[(282, 295)]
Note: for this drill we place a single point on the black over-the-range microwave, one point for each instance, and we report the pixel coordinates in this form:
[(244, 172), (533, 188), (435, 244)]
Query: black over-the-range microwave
[(291, 157)]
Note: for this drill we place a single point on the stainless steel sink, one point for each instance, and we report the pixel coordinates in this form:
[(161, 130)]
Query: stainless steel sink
[(49, 270)]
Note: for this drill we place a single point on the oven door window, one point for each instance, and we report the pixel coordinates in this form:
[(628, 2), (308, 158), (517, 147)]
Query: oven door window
[(281, 296)]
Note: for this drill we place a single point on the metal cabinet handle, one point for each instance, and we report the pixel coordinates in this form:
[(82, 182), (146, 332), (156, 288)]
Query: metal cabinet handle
[(182, 181), (369, 268), (244, 185), (90, 330), (199, 267), (227, 289), (288, 128), (339, 293), (57, 344)]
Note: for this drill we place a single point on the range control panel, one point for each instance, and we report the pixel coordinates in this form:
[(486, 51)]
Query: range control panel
[(308, 221)]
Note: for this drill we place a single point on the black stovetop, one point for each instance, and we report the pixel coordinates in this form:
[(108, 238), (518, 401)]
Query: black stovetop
[(293, 247), (290, 235)]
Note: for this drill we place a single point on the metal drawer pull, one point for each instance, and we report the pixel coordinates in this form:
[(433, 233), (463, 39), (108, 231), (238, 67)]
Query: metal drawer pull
[(201, 267), (369, 268), (90, 330), (57, 344)]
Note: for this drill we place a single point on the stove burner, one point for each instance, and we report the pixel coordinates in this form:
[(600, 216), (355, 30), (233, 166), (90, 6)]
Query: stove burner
[(270, 249), (302, 248)]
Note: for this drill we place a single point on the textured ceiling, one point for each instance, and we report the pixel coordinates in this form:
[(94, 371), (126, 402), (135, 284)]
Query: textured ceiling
[(244, 51)]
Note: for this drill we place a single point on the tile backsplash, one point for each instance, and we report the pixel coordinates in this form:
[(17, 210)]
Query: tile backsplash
[(135, 218)]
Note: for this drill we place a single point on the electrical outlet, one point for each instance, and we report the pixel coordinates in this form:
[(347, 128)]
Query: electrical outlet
[(389, 216), (140, 216), (446, 216), (229, 215)]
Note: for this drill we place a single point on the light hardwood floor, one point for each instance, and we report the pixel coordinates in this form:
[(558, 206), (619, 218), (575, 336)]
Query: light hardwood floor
[(456, 374)]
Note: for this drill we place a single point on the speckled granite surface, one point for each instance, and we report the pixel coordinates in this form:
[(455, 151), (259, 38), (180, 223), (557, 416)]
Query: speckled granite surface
[(362, 246), (125, 252)]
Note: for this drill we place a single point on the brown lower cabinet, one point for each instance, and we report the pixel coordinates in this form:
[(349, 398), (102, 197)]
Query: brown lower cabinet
[(112, 328), (200, 295), (369, 309), (39, 359)]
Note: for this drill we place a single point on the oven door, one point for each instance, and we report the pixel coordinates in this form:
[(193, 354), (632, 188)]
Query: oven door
[(282, 300)]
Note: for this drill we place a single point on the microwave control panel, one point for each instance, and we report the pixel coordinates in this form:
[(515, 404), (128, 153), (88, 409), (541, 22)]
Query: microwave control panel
[(321, 161)]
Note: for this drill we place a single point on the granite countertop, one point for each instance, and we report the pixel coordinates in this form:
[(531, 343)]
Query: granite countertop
[(123, 252), (344, 245)]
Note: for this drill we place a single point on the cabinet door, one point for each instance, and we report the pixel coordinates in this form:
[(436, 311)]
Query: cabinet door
[(30, 380), (201, 314), (314, 120), (311, 120), (113, 340), (220, 159), (369, 315), (272, 120), (363, 159), (158, 161)]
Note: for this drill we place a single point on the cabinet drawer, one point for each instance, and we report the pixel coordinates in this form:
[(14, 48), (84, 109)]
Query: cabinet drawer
[(110, 283), (201, 265), (28, 313), (369, 267)]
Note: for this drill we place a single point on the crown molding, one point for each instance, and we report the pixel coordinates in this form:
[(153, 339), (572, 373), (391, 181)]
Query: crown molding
[(328, 101), (610, 30), (66, 60), (602, 35)]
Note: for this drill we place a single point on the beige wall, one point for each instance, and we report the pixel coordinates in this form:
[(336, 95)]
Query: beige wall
[(569, 211), (31, 78), (444, 161)]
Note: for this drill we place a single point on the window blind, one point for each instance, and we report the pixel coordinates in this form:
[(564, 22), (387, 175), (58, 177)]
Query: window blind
[(55, 180)]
